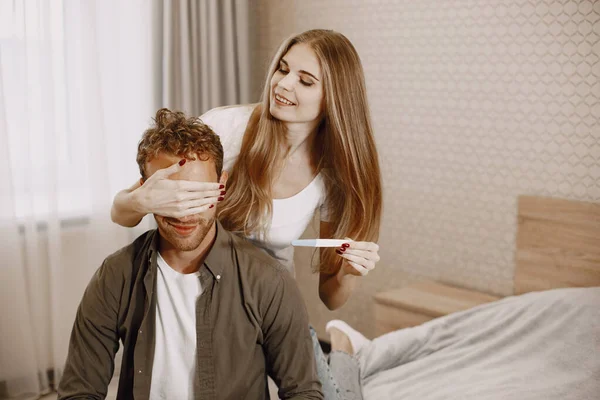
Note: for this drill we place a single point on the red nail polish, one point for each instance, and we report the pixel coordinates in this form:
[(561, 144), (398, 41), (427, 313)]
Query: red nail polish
[(338, 251), (342, 248), (211, 206), (220, 198), (182, 162), (345, 245), (221, 186), (223, 192)]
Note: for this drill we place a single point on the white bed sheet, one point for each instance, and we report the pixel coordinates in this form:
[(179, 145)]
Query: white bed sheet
[(537, 346)]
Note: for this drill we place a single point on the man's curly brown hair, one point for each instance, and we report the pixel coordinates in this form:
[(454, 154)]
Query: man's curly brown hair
[(174, 133)]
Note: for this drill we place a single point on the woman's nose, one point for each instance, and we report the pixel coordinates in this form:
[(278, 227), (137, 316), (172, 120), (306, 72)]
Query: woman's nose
[(286, 82)]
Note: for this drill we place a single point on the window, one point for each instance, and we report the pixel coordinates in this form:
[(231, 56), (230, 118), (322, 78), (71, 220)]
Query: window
[(77, 92)]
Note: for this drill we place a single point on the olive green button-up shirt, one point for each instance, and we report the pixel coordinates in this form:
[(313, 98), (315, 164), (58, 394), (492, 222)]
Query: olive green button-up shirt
[(250, 322)]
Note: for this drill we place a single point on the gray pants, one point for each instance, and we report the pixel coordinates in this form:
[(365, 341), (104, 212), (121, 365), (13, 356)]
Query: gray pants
[(339, 375)]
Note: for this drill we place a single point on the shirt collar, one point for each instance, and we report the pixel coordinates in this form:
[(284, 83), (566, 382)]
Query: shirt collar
[(217, 259), (153, 245)]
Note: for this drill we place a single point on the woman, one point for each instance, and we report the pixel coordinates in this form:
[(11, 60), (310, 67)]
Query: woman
[(308, 145)]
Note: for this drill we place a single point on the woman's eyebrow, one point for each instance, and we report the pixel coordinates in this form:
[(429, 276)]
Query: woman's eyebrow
[(301, 71)]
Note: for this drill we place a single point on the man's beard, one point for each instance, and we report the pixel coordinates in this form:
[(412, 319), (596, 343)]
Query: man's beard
[(182, 241)]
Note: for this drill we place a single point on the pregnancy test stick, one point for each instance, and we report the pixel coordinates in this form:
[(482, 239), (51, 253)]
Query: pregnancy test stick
[(319, 242), (325, 243)]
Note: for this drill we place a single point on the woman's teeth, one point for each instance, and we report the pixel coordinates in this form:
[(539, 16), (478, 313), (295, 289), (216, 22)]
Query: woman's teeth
[(283, 100)]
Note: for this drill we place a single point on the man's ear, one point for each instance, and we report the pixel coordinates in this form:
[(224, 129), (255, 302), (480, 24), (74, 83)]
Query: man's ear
[(224, 176)]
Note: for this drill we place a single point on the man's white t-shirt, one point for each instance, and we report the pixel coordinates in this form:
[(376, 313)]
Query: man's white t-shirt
[(174, 367)]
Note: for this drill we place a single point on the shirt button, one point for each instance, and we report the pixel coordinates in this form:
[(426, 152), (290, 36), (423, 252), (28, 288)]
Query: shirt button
[(140, 331), (139, 371), (218, 277)]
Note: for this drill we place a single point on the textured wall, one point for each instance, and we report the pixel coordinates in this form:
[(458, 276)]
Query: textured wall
[(473, 103)]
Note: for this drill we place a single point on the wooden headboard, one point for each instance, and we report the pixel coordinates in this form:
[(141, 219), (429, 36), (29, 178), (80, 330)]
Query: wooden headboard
[(558, 244)]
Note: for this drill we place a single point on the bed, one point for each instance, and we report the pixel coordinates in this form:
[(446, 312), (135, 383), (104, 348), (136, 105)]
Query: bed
[(543, 343)]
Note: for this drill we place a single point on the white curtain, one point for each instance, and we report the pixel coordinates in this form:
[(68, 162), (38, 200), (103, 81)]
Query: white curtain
[(204, 54), (77, 89)]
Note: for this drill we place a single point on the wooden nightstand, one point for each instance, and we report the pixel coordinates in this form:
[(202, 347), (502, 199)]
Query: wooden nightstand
[(421, 302)]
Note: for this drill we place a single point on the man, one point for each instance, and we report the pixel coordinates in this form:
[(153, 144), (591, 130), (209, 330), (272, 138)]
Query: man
[(201, 313)]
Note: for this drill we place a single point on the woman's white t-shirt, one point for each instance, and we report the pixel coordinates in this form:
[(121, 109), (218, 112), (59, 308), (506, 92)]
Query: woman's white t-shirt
[(291, 215)]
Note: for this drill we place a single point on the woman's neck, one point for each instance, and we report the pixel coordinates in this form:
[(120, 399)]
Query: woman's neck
[(299, 138)]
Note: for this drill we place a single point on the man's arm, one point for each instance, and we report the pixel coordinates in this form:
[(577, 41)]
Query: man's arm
[(288, 345), (94, 340)]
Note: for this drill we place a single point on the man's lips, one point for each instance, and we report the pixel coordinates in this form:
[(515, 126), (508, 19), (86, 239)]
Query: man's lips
[(183, 229)]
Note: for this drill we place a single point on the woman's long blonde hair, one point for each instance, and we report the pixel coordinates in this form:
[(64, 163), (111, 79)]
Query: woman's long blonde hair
[(344, 151)]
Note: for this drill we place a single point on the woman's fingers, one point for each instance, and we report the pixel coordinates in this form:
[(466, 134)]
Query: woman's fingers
[(194, 186), (181, 185), (177, 198), (193, 204), (166, 172), (362, 270), (184, 197), (182, 209), (362, 256), (367, 255), (356, 268), (189, 211), (365, 263)]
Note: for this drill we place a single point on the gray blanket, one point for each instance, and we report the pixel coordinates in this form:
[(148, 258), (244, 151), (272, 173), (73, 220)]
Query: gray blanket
[(542, 346)]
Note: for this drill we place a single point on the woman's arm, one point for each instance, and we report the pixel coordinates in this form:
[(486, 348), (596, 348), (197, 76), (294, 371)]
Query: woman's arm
[(359, 258), (334, 288), (161, 195), (123, 211)]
